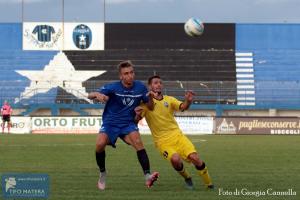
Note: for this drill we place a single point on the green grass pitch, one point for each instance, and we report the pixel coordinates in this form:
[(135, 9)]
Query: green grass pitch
[(255, 163)]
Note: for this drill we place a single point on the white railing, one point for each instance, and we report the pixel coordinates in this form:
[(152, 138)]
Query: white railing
[(266, 92)]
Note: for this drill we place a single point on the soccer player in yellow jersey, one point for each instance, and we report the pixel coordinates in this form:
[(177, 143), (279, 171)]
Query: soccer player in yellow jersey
[(168, 138)]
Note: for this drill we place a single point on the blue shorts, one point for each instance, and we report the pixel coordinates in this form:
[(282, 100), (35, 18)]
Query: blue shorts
[(113, 132)]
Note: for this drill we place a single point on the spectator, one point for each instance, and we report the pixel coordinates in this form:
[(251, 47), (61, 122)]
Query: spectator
[(6, 112)]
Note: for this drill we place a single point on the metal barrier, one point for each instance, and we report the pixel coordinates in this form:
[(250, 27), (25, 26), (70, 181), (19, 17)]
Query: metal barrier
[(212, 92)]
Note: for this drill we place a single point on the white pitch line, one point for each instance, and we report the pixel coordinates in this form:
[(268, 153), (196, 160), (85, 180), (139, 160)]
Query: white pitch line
[(198, 141)]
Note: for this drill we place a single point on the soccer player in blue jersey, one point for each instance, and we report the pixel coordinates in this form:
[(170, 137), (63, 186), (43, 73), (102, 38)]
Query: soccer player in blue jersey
[(121, 98)]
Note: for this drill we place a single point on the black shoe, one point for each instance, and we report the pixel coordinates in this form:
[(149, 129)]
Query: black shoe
[(189, 183), (211, 187)]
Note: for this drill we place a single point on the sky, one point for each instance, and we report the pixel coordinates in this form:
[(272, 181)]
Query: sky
[(161, 11)]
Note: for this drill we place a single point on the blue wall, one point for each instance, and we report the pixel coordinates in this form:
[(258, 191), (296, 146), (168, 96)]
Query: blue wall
[(276, 53), (11, 36), (267, 36)]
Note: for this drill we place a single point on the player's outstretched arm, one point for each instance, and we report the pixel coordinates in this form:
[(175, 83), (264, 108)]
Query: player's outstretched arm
[(150, 103), (98, 96), (189, 96), (138, 114)]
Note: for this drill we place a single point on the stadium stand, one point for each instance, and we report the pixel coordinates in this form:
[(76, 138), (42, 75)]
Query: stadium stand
[(12, 84), (233, 64), (175, 66), (277, 77), (205, 63), (276, 62), (13, 58)]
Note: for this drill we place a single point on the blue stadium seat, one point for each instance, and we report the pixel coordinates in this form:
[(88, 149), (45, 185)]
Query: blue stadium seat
[(277, 77), (13, 84)]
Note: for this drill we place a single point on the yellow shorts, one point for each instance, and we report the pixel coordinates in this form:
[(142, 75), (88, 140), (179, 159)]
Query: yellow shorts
[(180, 144)]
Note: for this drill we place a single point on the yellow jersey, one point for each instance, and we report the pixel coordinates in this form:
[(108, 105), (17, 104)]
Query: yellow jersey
[(161, 120)]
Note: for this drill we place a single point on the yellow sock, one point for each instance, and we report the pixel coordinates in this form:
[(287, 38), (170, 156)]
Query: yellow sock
[(184, 173), (205, 176)]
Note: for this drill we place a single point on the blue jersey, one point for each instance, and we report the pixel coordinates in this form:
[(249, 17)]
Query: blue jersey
[(44, 32), (119, 109)]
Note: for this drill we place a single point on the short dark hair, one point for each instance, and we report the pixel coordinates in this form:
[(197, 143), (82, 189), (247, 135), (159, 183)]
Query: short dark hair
[(151, 78), (124, 64)]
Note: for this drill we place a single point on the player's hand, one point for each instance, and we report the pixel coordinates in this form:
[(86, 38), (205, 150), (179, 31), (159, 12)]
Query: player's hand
[(102, 98), (138, 110), (189, 95), (152, 94)]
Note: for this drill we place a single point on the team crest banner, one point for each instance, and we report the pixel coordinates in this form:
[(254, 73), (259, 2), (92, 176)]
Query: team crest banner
[(63, 36), (84, 36), (42, 36)]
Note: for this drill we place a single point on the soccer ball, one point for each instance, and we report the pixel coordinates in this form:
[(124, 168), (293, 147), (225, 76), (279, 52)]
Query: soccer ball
[(194, 27)]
